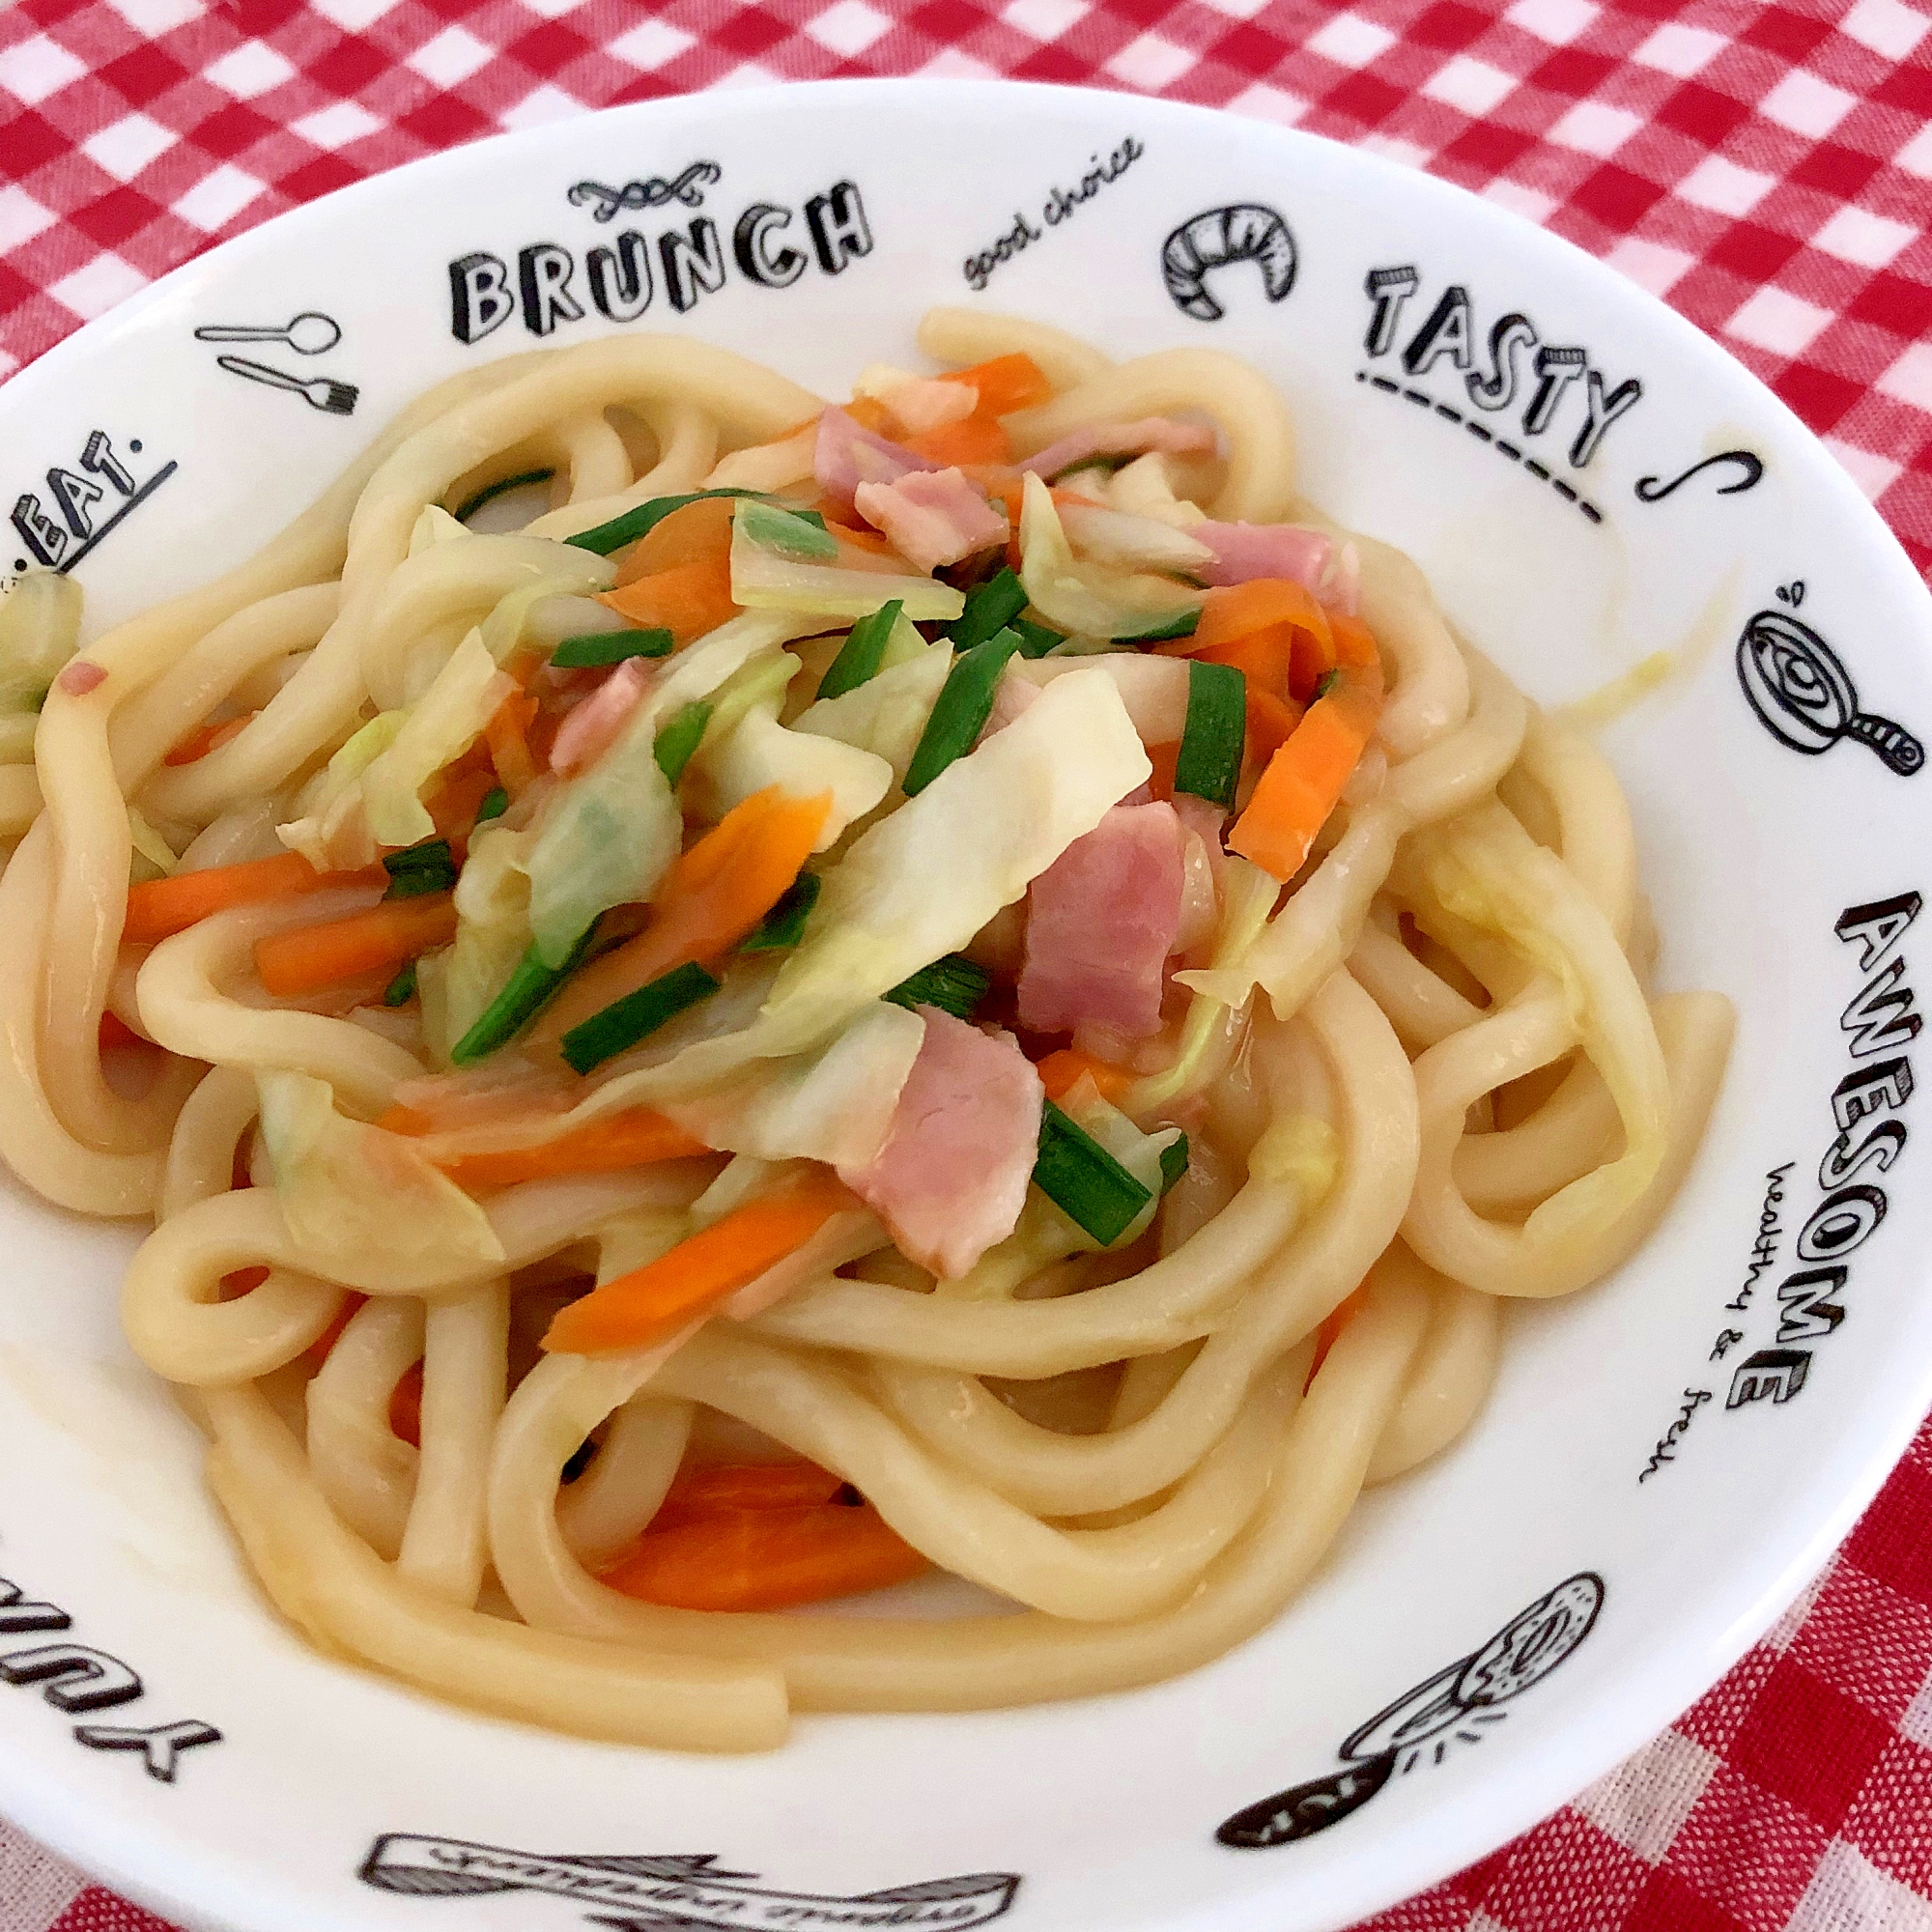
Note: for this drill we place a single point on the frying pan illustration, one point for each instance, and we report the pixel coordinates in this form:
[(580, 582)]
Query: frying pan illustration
[(1804, 697)]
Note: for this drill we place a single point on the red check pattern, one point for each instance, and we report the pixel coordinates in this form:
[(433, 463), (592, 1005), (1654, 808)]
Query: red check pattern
[(1766, 169)]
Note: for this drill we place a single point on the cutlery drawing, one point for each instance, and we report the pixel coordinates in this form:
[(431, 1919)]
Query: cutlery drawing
[(307, 334), (338, 399)]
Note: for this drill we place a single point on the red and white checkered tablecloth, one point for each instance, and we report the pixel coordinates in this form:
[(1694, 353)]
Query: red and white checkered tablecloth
[(1767, 169)]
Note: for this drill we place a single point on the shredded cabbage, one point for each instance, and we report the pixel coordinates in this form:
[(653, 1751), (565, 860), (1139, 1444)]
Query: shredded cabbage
[(1139, 1154), (761, 751), (773, 579), (1154, 689), (365, 1204), (607, 839), (330, 828), (436, 526), (493, 930), (1143, 488), (887, 713), (150, 849), (1131, 542), (835, 1105), (441, 725), (40, 630), (1088, 597)]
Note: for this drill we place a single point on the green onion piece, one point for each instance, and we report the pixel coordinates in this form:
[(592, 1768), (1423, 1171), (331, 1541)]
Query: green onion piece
[(965, 703), (991, 608), (625, 1022), (604, 538), (863, 652), (1105, 464), (492, 490), (1325, 683), (785, 925), (1036, 639), (1173, 1162), (402, 989), (953, 985), (495, 802), (1182, 626), (526, 992), (790, 534), (428, 867), (679, 739), (1209, 760), (1084, 1181), (610, 647)]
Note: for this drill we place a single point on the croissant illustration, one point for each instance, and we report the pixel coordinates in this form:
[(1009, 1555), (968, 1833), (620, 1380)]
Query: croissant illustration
[(1246, 231)]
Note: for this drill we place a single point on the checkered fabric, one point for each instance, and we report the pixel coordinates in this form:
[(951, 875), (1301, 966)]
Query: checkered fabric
[(1766, 169)]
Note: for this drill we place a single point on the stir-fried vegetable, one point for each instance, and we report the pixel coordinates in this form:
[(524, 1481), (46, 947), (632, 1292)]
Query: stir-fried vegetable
[(965, 702), (953, 985), (1084, 1181), (609, 647), (310, 957), (863, 652), (160, 907), (1209, 764), (625, 1022), (784, 927)]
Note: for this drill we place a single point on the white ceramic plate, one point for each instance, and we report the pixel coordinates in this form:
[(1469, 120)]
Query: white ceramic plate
[(1667, 1457)]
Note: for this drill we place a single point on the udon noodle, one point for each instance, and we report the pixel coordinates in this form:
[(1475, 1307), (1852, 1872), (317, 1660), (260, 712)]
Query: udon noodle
[(1427, 1077)]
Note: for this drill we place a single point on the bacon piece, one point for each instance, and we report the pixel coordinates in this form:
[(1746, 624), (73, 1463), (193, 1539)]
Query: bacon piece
[(1134, 439), (1243, 552), (953, 1176), (593, 727), (846, 455), (1102, 920), (931, 517)]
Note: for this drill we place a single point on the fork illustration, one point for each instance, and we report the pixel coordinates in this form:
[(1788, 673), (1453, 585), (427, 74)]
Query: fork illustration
[(338, 399)]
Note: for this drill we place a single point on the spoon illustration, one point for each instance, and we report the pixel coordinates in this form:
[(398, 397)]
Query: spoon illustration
[(1804, 697), (307, 334)]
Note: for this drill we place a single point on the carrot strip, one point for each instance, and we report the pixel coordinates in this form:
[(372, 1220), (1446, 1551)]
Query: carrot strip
[(454, 800), (1354, 642), (710, 900), (697, 533), (634, 1138), (868, 412), (312, 956), (204, 738), (1163, 758), (688, 602), (1232, 610), (160, 907), (766, 1559), (1060, 1071), (972, 439), (720, 1489), (1333, 1323), (647, 1303), (405, 1406), (509, 748), (319, 1350), (1005, 383), (1271, 724), (1305, 777)]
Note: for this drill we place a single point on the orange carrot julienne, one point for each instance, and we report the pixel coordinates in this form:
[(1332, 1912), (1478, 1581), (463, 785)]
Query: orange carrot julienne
[(405, 1406), (1005, 383), (313, 956), (1164, 759), (719, 1489), (634, 1138), (1305, 777), (318, 1349), (509, 747), (766, 1559), (1333, 1323), (697, 533), (204, 738), (453, 803), (160, 907), (978, 438), (709, 900), (646, 1305), (1059, 1071), (687, 601), (1270, 723), (1232, 610)]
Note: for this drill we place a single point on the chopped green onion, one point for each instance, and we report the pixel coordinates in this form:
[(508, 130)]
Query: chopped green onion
[(863, 652), (1105, 464), (609, 647), (402, 989), (492, 490), (953, 985), (991, 608), (1325, 683), (625, 1022), (1084, 1181), (1209, 762), (965, 703), (1036, 639), (530, 989), (495, 802), (428, 867), (604, 538), (679, 739), (785, 925), (786, 531), (1173, 1162)]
